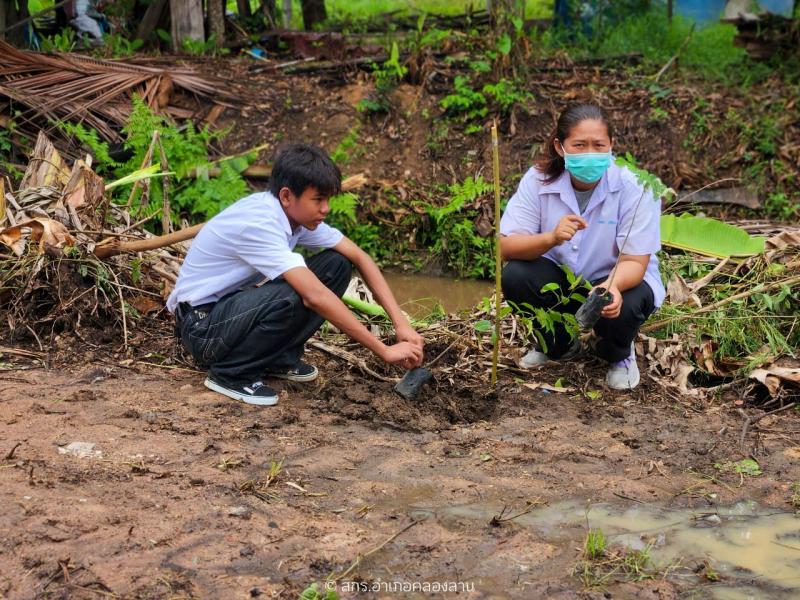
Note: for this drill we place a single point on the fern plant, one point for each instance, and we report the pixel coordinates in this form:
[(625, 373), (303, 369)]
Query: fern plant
[(387, 77), (186, 149), (452, 233)]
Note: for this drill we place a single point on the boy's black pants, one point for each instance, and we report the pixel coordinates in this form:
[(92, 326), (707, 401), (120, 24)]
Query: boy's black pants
[(523, 280), (258, 330)]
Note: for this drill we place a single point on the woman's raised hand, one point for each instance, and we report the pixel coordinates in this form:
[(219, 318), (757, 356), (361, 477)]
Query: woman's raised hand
[(567, 227)]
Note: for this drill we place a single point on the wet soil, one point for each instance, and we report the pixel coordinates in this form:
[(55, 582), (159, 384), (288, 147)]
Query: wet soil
[(172, 499)]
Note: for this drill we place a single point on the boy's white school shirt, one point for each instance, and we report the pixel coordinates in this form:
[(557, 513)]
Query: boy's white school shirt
[(248, 241), (537, 207)]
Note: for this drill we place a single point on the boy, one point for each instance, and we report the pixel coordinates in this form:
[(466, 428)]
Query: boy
[(243, 330)]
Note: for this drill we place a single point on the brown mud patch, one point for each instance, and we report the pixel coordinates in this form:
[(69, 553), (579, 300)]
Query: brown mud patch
[(172, 501)]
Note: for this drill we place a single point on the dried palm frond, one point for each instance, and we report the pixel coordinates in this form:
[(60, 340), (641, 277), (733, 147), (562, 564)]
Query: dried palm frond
[(71, 87)]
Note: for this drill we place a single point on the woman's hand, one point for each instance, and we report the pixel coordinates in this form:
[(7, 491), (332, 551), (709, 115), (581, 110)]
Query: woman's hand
[(611, 311), (567, 227)]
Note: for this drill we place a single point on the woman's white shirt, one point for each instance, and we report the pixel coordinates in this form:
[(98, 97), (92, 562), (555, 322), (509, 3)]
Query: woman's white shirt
[(537, 207)]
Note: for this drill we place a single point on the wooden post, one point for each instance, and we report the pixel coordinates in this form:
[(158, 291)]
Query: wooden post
[(669, 10), (187, 22)]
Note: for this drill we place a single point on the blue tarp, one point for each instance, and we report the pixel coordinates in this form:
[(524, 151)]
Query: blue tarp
[(711, 10)]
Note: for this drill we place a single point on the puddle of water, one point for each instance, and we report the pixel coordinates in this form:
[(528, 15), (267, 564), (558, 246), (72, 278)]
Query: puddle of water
[(755, 550), (419, 295)]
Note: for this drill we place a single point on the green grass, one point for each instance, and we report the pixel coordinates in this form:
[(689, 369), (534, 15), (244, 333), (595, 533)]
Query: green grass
[(534, 9), (710, 51), (349, 10)]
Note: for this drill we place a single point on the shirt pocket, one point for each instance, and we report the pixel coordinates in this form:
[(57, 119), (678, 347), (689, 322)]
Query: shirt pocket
[(609, 213)]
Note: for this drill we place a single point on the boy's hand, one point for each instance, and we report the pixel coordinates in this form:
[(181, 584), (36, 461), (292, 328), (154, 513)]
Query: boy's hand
[(403, 354), (406, 333)]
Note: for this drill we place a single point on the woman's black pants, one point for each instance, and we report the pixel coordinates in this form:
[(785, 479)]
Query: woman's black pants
[(523, 281)]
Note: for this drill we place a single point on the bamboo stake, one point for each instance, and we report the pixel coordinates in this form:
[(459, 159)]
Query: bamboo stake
[(498, 260)]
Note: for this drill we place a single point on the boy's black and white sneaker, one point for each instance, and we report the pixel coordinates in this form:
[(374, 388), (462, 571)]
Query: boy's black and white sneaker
[(251, 393), (303, 372)]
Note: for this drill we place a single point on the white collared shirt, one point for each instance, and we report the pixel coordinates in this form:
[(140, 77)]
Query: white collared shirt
[(248, 241), (592, 252)]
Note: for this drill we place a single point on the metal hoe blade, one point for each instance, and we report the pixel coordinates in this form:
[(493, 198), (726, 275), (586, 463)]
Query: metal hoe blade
[(411, 383)]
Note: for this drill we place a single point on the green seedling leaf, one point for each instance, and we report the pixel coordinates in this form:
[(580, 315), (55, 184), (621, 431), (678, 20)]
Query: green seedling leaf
[(504, 312), (593, 394), (483, 326), (550, 287), (486, 457), (748, 467)]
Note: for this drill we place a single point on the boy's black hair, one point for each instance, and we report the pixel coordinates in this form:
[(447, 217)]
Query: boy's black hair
[(301, 166)]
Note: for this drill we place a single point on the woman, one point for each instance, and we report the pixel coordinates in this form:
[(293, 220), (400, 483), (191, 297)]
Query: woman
[(576, 208)]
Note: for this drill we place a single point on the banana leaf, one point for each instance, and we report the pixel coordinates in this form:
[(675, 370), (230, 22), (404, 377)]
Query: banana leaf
[(367, 308), (146, 173), (709, 237)]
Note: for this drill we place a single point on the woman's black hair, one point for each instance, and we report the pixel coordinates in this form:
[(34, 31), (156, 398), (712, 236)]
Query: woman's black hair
[(301, 166), (549, 163)]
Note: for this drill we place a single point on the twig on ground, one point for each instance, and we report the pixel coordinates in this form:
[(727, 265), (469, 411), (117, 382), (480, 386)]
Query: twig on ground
[(750, 421), (352, 359), (377, 548), (10, 455), (504, 517)]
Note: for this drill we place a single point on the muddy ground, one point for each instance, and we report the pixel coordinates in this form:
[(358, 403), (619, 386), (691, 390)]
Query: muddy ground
[(171, 501)]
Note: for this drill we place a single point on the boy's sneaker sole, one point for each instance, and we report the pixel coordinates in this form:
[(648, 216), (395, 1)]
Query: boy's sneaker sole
[(244, 397), (297, 375)]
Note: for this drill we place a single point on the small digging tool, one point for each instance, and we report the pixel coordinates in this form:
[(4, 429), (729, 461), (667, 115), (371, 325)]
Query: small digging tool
[(411, 383)]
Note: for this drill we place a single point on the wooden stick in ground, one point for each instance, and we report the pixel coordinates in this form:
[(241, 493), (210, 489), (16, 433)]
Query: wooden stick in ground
[(111, 247), (498, 260)]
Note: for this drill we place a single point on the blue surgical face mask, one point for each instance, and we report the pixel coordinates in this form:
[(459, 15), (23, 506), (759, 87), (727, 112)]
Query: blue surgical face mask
[(587, 167)]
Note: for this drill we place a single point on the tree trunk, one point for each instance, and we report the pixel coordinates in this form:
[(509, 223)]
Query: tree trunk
[(3, 19), (13, 15), (269, 9), (187, 22), (216, 21), (313, 13), (152, 16), (287, 14), (244, 8)]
